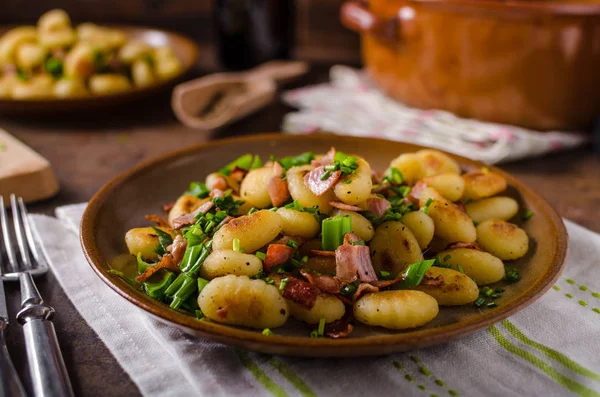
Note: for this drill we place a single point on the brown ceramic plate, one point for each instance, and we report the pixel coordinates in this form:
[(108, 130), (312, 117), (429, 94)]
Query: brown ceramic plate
[(184, 48), (123, 202)]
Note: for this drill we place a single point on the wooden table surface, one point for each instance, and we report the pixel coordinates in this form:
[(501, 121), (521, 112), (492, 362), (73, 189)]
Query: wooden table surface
[(88, 152)]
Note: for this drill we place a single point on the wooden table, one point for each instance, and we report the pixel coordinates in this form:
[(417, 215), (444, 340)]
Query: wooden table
[(87, 153)]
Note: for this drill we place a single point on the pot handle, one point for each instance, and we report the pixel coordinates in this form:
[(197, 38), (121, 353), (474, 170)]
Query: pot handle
[(355, 16)]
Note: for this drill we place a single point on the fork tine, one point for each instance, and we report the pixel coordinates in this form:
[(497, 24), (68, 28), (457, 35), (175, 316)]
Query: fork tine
[(28, 233), (10, 253), (19, 233)]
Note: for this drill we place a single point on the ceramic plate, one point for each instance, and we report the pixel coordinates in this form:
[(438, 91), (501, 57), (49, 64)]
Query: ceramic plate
[(185, 50), (123, 202)]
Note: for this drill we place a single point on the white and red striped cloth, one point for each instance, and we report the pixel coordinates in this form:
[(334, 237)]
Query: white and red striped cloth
[(350, 105)]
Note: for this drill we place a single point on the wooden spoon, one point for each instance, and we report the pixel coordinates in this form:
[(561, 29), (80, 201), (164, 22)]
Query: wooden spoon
[(216, 100)]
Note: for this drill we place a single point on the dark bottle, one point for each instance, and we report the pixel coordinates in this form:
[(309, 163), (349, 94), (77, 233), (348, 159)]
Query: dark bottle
[(250, 32)]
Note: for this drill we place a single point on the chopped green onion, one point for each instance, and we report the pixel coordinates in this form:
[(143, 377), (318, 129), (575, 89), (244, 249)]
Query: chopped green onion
[(269, 280), (413, 275), (475, 223), (54, 66), (244, 162), (123, 277), (256, 162), (156, 289), (348, 290), (22, 75), (528, 215), (492, 304), (321, 329), (489, 292), (349, 181), (267, 332), (314, 334), (460, 268), (485, 170), (326, 175), (447, 257), (383, 275), (164, 240), (499, 290), (198, 189), (283, 283), (394, 176), (512, 275), (496, 296), (236, 244), (293, 161), (260, 255), (199, 314), (292, 244), (252, 210), (479, 302), (141, 265), (427, 204), (202, 283), (333, 231)]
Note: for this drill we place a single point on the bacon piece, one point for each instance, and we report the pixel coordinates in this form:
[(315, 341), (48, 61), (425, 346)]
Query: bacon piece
[(301, 292), (363, 289), (285, 239), (324, 282), (170, 261), (345, 207), (159, 220), (415, 192), (319, 187), (190, 219), (222, 312), (340, 328), (322, 253), (325, 160), (168, 206), (432, 281), (351, 238), (177, 249), (217, 193), (376, 177), (473, 246), (216, 181), (277, 187), (351, 260), (277, 254), (378, 206), (381, 189)]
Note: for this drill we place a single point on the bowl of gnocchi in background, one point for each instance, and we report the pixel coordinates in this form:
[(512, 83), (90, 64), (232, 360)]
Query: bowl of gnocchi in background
[(56, 66), (323, 245)]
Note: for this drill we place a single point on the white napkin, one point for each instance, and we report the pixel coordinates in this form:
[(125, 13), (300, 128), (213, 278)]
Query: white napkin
[(351, 105), (552, 348)]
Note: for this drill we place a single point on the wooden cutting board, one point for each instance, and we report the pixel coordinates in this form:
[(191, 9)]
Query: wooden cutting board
[(23, 171)]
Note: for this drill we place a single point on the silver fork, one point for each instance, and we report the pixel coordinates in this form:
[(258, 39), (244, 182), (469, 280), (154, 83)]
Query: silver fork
[(46, 365)]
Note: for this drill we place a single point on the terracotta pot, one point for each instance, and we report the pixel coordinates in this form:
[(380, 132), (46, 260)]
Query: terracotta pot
[(533, 64)]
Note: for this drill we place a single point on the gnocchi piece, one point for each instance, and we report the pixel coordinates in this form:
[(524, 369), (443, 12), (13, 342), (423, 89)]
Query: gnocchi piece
[(103, 84), (87, 30), (13, 39), (254, 187), (451, 223), (437, 162), (142, 74), (223, 262), (299, 191), (239, 300), (449, 185), (361, 226), (297, 223), (54, 20), (70, 88), (30, 55), (144, 240), (38, 87), (458, 289), (480, 184), (326, 306), (421, 226), (133, 51), (185, 204), (167, 68), (503, 208), (480, 266), (401, 309), (394, 247), (502, 239), (79, 62), (57, 39), (254, 231), (411, 166), (244, 208), (360, 187), (7, 82)]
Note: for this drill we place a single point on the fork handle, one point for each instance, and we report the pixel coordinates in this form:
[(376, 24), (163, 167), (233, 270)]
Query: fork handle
[(46, 365), (10, 384)]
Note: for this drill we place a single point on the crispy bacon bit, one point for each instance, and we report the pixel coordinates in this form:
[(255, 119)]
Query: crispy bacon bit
[(340, 328), (376, 177), (277, 254), (378, 205), (159, 220), (170, 261), (381, 189), (301, 292), (432, 281), (227, 219), (222, 312), (177, 249), (238, 173), (277, 187), (322, 253), (345, 207), (319, 187), (353, 259), (168, 206), (216, 181), (473, 246), (217, 193), (190, 219), (415, 192), (324, 282), (351, 238), (363, 289), (285, 239), (325, 160)]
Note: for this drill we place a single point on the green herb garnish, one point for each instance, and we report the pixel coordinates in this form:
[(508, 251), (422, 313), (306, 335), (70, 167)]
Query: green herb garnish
[(413, 275), (198, 189), (164, 240), (427, 205), (267, 332), (54, 67), (528, 215), (333, 231)]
